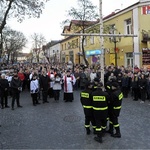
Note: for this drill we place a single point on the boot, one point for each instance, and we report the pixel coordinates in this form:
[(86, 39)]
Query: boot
[(103, 132), (98, 138), (117, 134), (94, 131), (111, 129), (88, 131)]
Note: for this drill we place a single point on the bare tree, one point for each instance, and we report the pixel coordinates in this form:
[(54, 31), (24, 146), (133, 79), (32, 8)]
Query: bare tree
[(85, 13), (19, 9), (38, 40), (14, 42)]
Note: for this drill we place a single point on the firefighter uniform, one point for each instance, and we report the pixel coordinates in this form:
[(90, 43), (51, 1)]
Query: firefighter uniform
[(86, 101), (100, 109), (114, 109)]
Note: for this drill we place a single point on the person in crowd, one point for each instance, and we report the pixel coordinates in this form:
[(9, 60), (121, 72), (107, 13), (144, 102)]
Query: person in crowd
[(57, 87), (116, 97), (34, 89), (135, 86), (125, 85), (112, 77), (86, 101), (51, 75), (100, 110), (77, 76), (93, 75), (16, 88), (21, 77), (26, 80), (148, 88), (44, 85), (142, 86), (4, 86), (82, 79), (119, 79), (69, 81)]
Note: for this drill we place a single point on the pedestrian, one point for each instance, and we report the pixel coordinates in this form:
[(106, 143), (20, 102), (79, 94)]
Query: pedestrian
[(69, 80), (57, 87), (116, 97), (125, 85), (86, 101), (16, 88), (143, 86), (44, 86), (51, 75), (34, 89), (4, 86), (135, 86), (100, 110)]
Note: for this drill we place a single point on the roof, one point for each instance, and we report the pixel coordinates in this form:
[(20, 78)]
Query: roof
[(80, 23)]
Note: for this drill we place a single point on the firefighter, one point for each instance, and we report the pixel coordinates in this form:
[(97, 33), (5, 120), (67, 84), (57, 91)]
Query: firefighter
[(100, 109), (86, 101), (95, 83), (116, 97)]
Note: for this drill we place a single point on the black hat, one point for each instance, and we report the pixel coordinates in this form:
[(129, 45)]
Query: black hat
[(96, 79), (88, 84), (100, 84), (115, 84)]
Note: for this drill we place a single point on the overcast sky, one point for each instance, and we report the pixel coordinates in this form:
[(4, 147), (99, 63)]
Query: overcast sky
[(49, 24)]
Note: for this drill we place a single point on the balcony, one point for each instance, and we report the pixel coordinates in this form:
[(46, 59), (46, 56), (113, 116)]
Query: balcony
[(145, 36)]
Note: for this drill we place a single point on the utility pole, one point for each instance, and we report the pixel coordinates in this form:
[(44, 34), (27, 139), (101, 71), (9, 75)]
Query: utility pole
[(101, 42)]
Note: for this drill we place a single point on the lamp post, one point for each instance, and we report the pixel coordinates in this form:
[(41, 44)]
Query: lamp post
[(115, 40)]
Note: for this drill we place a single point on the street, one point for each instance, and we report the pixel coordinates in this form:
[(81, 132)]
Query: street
[(61, 126)]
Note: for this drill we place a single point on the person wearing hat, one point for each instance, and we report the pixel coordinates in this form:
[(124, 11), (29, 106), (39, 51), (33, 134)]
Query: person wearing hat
[(4, 86), (95, 83), (100, 110), (69, 81), (86, 101), (116, 97)]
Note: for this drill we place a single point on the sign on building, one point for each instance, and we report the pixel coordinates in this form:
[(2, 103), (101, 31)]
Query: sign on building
[(146, 10)]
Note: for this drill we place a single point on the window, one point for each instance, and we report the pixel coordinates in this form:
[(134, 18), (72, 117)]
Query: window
[(129, 59), (92, 39), (128, 26)]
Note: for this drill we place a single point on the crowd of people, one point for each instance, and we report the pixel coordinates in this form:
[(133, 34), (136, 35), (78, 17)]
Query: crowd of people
[(45, 80)]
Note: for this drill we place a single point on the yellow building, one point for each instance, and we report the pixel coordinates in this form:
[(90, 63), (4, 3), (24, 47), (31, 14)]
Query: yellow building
[(127, 51), (71, 45)]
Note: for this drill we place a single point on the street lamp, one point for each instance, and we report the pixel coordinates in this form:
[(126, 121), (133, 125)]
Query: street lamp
[(115, 40)]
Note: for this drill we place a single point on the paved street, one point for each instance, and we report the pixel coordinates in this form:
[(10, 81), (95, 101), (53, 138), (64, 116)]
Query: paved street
[(61, 126)]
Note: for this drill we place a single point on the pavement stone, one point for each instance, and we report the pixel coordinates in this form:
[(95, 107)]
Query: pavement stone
[(61, 126)]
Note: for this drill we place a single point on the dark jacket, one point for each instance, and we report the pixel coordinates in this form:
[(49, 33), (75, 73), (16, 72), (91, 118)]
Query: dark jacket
[(86, 101), (115, 102), (15, 84), (44, 82), (4, 85), (100, 106), (142, 83)]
